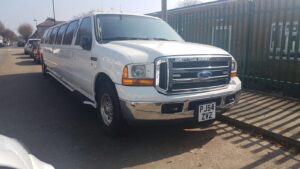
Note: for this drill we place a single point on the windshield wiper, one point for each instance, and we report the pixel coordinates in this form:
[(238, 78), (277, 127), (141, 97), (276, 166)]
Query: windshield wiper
[(162, 39), (124, 38), (134, 38)]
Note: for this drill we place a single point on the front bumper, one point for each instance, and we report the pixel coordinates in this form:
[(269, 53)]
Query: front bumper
[(141, 107)]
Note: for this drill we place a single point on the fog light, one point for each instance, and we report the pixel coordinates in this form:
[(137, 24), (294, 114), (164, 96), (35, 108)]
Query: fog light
[(172, 108)]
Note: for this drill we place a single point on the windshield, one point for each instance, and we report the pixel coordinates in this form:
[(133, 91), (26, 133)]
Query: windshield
[(125, 27), (35, 44)]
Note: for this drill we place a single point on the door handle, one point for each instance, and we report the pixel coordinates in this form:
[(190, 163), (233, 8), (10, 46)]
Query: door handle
[(94, 59)]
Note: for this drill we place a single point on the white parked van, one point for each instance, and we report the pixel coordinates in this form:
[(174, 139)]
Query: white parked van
[(137, 68)]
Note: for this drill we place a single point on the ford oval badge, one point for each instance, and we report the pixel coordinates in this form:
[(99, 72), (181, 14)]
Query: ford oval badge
[(204, 75)]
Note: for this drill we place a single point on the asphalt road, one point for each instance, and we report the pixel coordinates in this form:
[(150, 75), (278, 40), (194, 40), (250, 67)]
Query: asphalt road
[(60, 130)]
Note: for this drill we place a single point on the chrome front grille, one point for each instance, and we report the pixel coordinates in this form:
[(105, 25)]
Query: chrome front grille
[(192, 73)]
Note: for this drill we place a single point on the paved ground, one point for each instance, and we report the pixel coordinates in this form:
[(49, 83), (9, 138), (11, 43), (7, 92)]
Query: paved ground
[(59, 130)]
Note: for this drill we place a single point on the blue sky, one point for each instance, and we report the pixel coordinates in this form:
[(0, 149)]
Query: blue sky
[(15, 12)]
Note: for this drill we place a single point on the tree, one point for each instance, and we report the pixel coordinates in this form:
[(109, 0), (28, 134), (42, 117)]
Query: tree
[(2, 28), (8, 34), (25, 30), (185, 3)]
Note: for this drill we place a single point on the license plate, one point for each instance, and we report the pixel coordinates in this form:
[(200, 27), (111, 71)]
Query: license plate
[(207, 112)]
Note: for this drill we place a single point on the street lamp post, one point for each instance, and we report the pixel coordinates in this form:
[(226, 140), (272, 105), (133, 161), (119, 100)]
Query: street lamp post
[(35, 20), (53, 10), (164, 9)]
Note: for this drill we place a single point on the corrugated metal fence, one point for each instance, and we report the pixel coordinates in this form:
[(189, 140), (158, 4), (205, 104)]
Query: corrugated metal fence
[(263, 36)]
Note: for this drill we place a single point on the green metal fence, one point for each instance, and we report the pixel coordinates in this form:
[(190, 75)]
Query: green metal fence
[(263, 36)]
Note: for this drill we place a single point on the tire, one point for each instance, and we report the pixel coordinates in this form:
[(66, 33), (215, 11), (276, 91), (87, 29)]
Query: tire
[(109, 110), (44, 68)]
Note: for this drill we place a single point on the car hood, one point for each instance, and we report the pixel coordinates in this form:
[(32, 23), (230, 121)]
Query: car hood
[(14, 155), (147, 51)]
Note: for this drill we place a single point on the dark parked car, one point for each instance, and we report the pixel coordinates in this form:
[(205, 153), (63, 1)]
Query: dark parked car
[(21, 43)]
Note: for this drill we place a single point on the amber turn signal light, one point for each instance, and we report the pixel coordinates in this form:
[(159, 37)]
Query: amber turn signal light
[(233, 74)]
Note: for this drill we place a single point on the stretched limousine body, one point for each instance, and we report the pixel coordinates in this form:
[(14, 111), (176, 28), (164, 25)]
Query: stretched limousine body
[(137, 68)]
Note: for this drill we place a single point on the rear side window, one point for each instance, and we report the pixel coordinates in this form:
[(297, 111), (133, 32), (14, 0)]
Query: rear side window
[(85, 30), (48, 35), (60, 34), (52, 36), (68, 37), (44, 36)]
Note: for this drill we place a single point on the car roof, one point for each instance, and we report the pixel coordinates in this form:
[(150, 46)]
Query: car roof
[(121, 13), (101, 13)]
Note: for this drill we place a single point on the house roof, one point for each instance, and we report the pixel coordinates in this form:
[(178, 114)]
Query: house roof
[(34, 35), (49, 22)]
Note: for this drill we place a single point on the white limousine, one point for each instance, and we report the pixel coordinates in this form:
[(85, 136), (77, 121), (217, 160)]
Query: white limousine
[(136, 68)]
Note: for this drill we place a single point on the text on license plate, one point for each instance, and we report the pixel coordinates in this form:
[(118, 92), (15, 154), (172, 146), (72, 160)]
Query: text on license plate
[(207, 112)]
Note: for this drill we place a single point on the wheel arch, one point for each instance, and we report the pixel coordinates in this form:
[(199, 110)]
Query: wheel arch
[(100, 78)]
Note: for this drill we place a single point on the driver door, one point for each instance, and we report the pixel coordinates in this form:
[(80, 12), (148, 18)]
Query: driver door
[(82, 54)]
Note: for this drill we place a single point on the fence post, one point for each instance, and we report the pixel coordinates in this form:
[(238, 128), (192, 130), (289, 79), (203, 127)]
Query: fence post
[(248, 41)]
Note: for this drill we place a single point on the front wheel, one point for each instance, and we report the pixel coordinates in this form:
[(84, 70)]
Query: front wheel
[(109, 110)]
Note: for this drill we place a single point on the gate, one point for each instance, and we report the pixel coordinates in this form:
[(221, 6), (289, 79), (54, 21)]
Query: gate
[(262, 35)]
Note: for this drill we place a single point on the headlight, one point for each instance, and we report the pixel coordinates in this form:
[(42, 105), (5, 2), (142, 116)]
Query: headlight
[(138, 71), (138, 75), (233, 68)]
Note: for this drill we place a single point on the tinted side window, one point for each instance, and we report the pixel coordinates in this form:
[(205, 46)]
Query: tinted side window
[(85, 30), (52, 36), (60, 34), (48, 36), (68, 37)]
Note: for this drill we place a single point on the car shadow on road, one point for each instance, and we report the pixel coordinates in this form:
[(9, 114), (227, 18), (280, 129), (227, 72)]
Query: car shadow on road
[(26, 63), (18, 54), (60, 130), (24, 57)]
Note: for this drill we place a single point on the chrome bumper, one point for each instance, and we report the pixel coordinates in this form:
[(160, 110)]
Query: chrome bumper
[(152, 110)]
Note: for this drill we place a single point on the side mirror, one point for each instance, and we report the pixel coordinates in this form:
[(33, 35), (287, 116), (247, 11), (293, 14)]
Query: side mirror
[(86, 43)]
